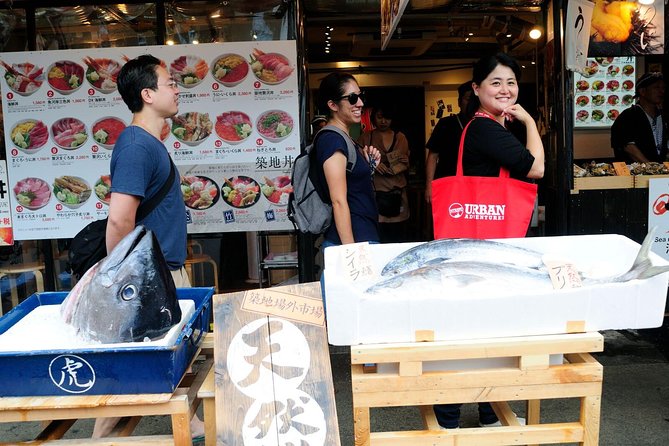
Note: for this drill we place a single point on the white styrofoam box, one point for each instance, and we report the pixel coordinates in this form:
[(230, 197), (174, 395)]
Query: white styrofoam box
[(355, 317)]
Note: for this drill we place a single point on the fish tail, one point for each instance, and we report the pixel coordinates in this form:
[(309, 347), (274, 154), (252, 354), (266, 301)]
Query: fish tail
[(643, 267)]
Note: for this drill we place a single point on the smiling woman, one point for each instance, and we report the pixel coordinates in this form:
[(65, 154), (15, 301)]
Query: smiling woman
[(349, 186)]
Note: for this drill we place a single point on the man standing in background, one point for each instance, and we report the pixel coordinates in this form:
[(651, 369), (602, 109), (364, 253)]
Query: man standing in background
[(442, 147), (640, 132)]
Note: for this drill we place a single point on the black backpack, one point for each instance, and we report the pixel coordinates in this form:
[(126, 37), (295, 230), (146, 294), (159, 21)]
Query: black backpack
[(309, 205), (89, 246)]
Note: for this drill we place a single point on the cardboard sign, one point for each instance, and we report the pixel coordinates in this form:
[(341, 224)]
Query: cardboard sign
[(564, 275), (357, 262), (289, 306)]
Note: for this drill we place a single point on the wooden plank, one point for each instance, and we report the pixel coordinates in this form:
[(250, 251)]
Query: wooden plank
[(55, 430), (273, 375), (153, 440), (479, 348), (564, 373), (206, 394), (68, 410), (411, 368), (611, 182), (361, 426), (534, 362), (504, 413), (54, 402), (475, 394), (590, 415), (483, 436), (429, 418)]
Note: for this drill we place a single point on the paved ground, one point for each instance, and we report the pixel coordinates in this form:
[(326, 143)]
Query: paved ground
[(635, 402)]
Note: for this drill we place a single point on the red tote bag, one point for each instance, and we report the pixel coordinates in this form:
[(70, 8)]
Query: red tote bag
[(481, 207)]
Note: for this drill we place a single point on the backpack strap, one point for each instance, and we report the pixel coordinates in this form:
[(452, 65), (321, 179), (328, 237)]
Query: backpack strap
[(149, 205), (351, 145)]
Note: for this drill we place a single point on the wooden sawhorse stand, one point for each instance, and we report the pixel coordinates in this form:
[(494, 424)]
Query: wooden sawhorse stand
[(532, 379), (61, 412)]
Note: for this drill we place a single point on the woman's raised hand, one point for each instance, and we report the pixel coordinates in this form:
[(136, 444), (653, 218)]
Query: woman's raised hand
[(516, 112)]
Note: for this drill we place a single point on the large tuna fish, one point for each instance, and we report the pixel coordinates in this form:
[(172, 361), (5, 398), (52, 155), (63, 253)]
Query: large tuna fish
[(458, 274), (127, 296), (461, 249)]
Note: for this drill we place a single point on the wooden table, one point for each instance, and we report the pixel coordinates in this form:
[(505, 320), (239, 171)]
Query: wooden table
[(61, 412), (532, 377)]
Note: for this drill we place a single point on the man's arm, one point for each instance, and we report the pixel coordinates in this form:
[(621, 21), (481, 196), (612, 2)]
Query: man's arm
[(430, 168), (635, 153), (121, 219)]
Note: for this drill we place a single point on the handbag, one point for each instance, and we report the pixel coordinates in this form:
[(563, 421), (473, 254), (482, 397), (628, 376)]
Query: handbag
[(89, 246), (481, 207), (389, 203)]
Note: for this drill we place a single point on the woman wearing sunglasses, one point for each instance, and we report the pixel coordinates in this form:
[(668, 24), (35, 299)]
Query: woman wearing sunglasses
[(351, 193)]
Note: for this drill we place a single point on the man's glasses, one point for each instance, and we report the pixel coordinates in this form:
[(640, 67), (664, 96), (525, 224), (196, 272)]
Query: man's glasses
[(170, 84), (353, 97)]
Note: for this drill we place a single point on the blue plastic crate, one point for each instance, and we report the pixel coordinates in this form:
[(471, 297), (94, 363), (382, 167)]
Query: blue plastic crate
[(128, 370)]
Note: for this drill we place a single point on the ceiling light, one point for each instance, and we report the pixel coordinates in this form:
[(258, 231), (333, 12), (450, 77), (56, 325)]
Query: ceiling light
[(170, 42), (327, 51), (534, 63), (327, 33), (466, 39), (535, 33), (195, 42), (471, 34), (508, 36)]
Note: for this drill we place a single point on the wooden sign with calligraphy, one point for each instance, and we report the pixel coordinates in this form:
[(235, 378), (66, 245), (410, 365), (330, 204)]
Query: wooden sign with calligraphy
[(273, 374)]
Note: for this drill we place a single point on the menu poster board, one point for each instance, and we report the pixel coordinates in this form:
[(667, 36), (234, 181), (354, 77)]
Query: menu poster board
[(626, 28), (658, 215), (606, 88), (237, 123)]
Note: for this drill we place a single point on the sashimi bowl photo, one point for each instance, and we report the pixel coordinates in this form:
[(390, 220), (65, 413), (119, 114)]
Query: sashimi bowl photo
[(65, 76), (29, 135), (101, 73), (191, 128), (23, 78), (32, 193), (107, 130), (241, 191), (69, 133), (233, 127), (199, 192), (103, 188), (277, 189)]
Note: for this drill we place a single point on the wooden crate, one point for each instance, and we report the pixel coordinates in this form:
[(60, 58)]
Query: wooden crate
[(59, 413), (641, 181), (613, 182), (532, 379)]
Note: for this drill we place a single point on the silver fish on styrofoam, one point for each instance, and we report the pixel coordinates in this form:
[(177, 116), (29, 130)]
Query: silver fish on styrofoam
[(450, 274), (462, 250), (127, 296)]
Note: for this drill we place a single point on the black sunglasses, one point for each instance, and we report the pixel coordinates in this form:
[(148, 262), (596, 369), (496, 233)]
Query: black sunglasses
[(353, 97)]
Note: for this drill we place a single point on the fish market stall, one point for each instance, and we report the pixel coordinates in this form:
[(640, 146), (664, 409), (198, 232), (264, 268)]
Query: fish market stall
[(458, 321), (98, 380), (493, 309)]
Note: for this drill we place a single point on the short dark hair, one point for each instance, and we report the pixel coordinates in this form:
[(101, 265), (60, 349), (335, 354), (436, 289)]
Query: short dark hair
[(387, 111), (332, 88), (136, 75), (487, 65), (464, 88)]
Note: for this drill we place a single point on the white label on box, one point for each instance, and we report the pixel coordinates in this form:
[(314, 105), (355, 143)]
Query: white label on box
[(563, 275), (356, 260)]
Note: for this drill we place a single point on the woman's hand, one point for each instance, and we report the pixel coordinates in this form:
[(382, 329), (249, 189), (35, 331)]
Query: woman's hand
[(516, 112), (373, 156)]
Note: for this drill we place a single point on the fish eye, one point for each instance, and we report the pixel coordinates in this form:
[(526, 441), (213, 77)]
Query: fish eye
[(129, 292)]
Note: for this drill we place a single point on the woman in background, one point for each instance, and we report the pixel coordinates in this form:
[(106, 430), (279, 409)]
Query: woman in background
[(351, 193), (390, 180)]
